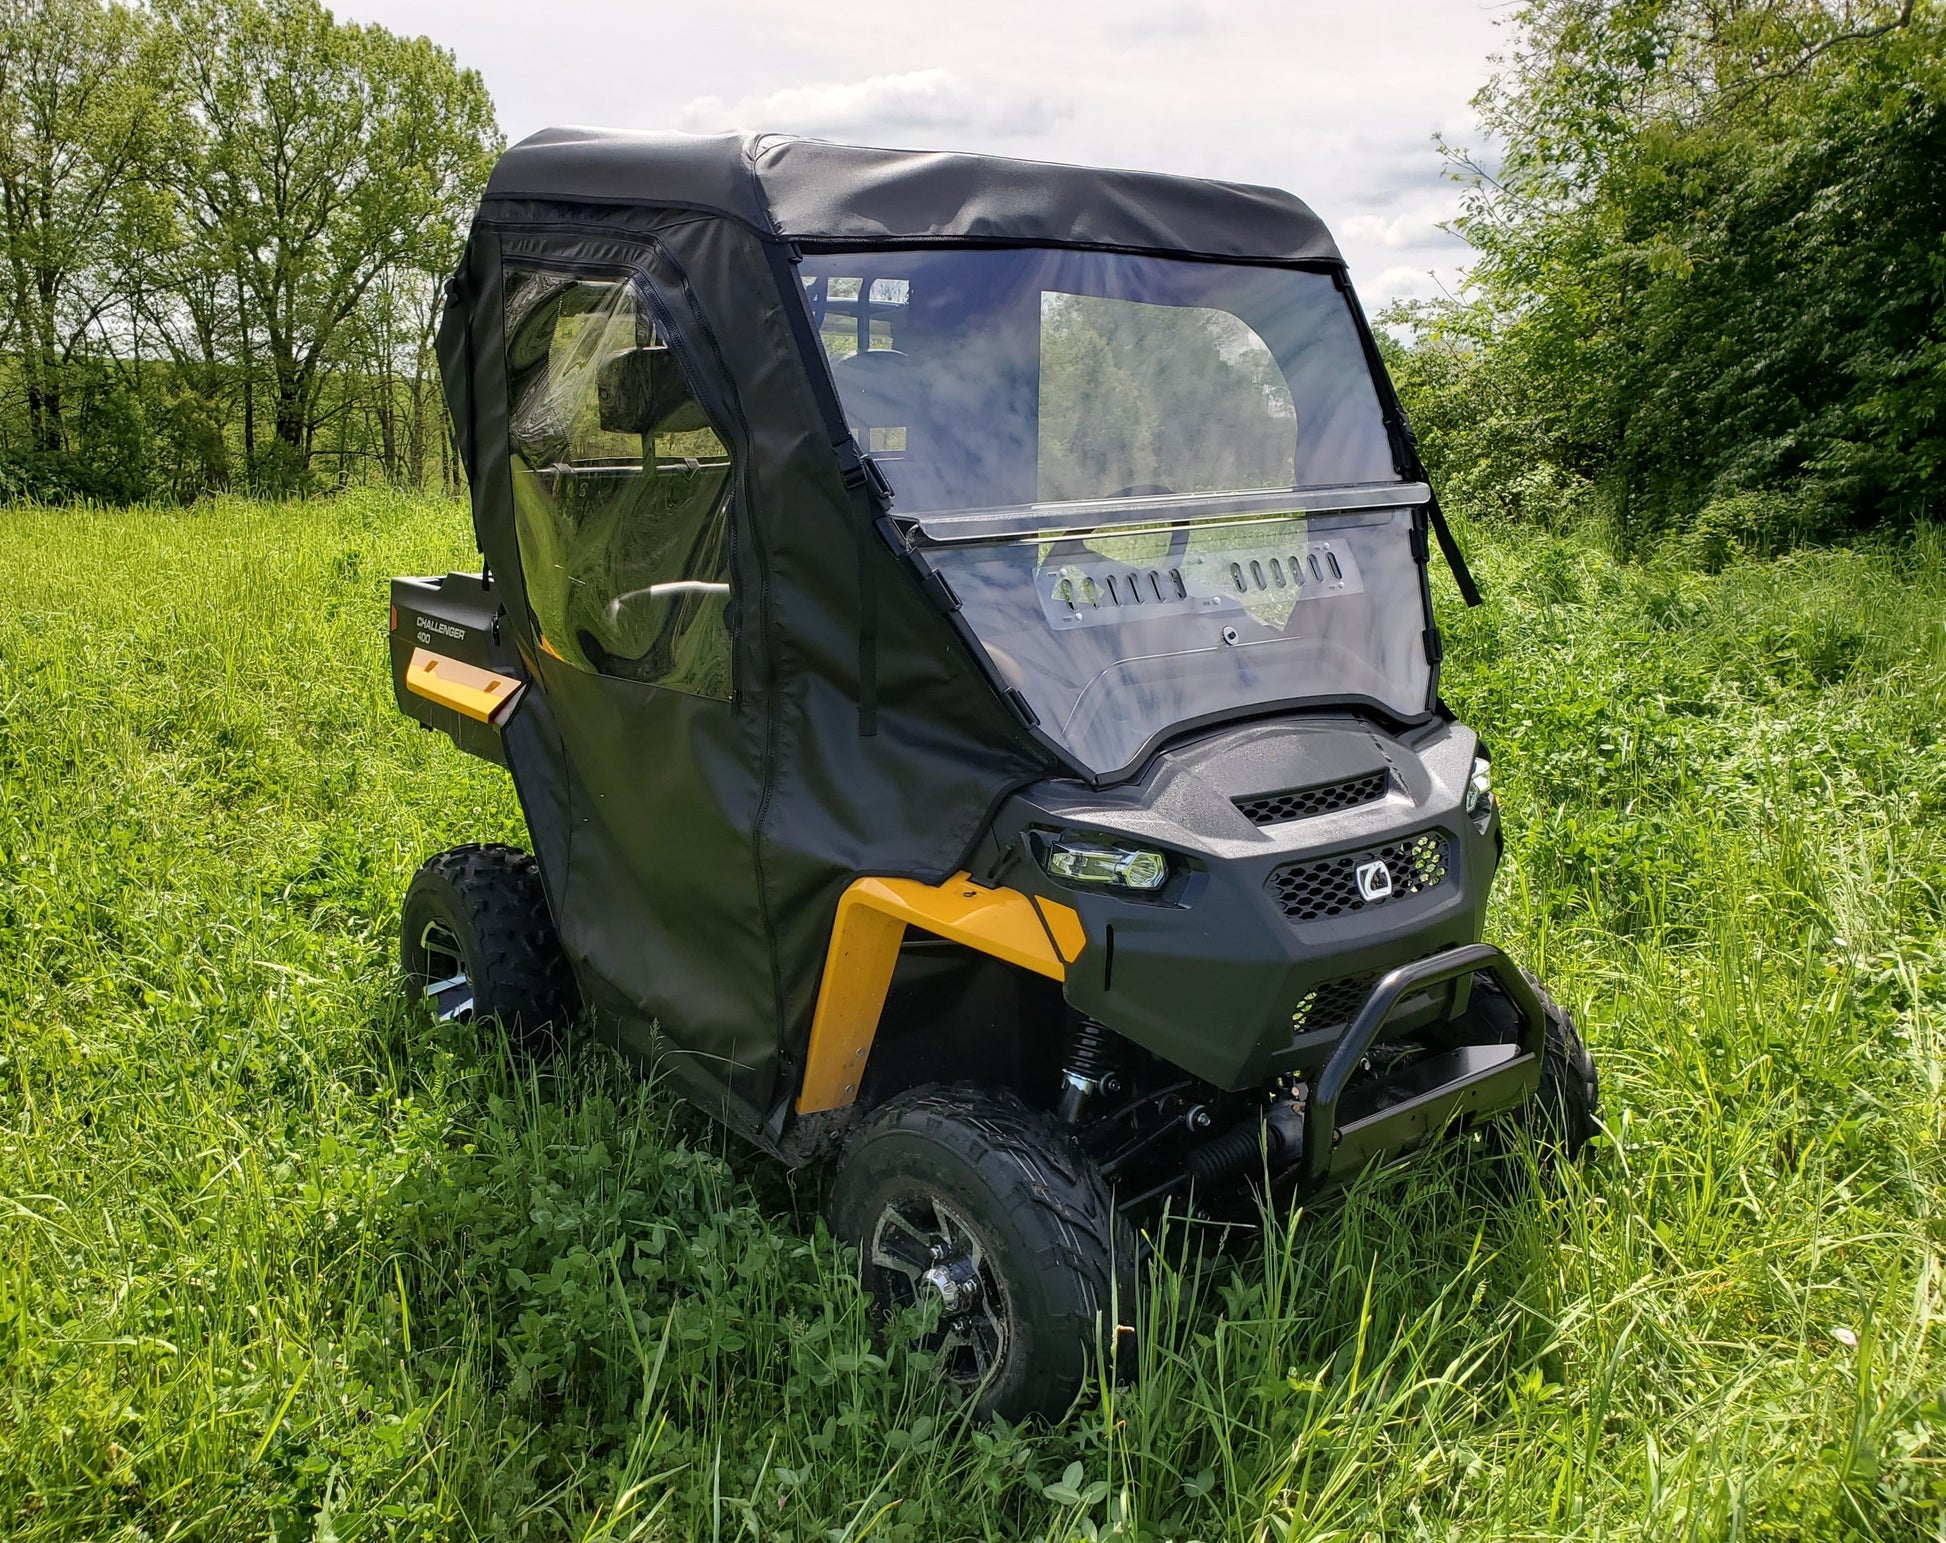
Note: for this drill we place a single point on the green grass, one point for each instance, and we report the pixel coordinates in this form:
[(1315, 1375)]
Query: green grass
[(278, 1258)]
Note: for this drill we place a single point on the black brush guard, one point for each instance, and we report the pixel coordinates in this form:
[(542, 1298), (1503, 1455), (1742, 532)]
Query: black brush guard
[(1346, 1127)]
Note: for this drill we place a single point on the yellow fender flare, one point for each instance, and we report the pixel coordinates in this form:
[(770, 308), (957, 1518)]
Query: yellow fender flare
[(1039, 935)]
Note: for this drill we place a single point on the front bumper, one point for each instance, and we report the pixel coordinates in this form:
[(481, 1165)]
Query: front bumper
[(1347, 1124)]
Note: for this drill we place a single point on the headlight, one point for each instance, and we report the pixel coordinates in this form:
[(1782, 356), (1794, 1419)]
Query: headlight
[(1479, 786), (1100, 862)]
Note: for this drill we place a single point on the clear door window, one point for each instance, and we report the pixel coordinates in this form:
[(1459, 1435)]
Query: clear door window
[(622, 487)]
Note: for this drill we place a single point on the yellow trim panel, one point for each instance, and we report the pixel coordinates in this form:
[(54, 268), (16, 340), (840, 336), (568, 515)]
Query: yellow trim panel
[(1039, 935), (466, 688)]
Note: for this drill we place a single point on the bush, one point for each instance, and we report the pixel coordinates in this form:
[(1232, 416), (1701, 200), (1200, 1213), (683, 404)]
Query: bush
[(196, 460), (1761, 522)]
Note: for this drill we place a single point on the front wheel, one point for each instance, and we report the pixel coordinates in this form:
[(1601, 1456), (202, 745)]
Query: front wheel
[(1568, 1101), (967, 1200), (1564, 1110)]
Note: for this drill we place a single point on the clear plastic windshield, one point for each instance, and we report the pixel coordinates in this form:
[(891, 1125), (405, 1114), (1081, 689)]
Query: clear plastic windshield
[(987, 379), (1162, 490)]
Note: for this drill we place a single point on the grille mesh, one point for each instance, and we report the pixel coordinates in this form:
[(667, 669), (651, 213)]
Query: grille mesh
[(1333, 1002), (1297, 803), (1328, 886)]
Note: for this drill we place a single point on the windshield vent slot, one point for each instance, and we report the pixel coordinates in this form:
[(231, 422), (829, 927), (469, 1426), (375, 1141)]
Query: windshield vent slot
[(1324, 798), (1330, 886)]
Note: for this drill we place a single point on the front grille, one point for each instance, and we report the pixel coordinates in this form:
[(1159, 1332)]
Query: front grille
[(1336, 1001), (1328, 886), (1325, 798)]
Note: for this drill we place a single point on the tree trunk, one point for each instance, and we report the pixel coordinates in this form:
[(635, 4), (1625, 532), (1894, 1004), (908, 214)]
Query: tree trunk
[(249, 387), (43, 359), (293, 421), (415, 431), (388, 425)]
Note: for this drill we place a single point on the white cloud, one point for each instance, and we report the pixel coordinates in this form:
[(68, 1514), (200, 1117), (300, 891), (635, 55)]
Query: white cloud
[(925, 102), (1182, 18), (1406, 282), (1339, 104), (1416, 225)]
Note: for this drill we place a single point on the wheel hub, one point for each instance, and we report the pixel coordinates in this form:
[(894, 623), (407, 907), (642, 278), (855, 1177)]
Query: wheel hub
[(955, 1280), (923, 1251), (448, 987)]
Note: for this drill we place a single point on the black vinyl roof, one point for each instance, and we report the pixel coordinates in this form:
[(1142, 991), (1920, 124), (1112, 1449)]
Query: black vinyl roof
[(813, 191)]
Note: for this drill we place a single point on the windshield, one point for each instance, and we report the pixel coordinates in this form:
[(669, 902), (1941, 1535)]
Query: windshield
[(980, 379), (1162, 490)]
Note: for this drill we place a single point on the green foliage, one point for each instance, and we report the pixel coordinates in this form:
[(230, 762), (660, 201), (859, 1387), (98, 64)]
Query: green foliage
[(241, 211), (194, 451), (280, 1258), (112, 459), (81, 124), (316, 155), (1711, 261)]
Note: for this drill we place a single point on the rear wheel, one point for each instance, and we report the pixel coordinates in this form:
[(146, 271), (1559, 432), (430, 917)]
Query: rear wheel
[(477, 941), (968, 1200)]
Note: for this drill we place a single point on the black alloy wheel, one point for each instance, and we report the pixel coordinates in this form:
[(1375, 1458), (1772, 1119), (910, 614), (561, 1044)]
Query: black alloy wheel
[(966, 1201), (922, 1250), (476, 941)]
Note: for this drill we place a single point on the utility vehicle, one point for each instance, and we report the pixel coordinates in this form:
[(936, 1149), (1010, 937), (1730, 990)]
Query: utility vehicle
[(960, 633)]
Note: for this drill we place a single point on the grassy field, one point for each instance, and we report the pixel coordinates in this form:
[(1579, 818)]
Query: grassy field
[(278, 1258)]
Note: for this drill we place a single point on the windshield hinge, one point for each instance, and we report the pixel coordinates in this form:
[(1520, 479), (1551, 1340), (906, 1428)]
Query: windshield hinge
[(1421, 547), (1435, 648)]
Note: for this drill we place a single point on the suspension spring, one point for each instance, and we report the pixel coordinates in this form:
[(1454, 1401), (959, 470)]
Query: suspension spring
[(1090, 1069)]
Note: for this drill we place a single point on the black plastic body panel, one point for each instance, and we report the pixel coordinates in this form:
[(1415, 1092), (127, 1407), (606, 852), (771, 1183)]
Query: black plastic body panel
[(1207, 972), (458, 616)]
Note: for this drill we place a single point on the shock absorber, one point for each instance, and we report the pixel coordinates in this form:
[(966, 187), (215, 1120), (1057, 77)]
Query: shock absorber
[(1090, 1070)]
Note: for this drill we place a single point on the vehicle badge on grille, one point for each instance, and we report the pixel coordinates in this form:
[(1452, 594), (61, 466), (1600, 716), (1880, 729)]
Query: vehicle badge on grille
[(1374, 880)]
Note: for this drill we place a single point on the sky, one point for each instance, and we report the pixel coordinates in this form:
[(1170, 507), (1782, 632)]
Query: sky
[(1338, 102)]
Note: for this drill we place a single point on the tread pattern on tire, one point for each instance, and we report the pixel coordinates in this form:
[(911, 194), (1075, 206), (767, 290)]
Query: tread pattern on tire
[(1032, 1162), (1569, 1096), (521, 975), (1563, 1109)]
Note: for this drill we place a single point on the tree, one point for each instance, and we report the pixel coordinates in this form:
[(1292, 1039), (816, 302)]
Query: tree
[(81, 112), (319, 156), (1711, 261)]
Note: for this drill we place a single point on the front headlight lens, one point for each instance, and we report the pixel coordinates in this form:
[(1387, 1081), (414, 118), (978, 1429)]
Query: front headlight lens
[(1479, 786), (1100, 862)]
